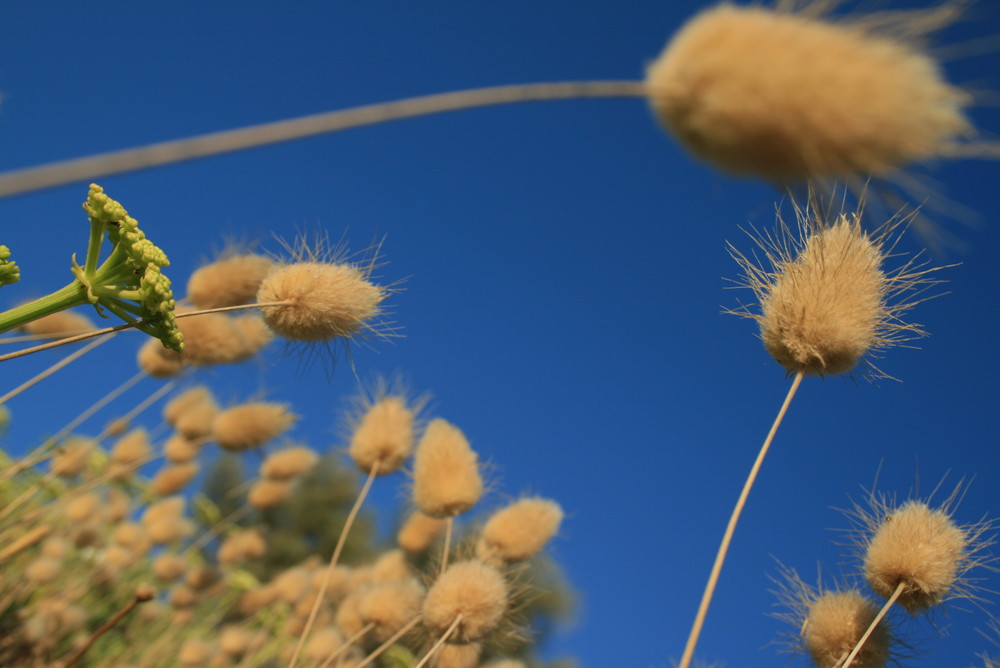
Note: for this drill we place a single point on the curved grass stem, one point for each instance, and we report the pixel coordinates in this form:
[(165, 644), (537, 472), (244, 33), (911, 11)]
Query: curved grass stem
[(875, 622), (727, 537), (179, 150)]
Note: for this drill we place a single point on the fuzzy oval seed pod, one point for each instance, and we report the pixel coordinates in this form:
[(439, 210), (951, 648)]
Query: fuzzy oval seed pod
[(835, 623), (129, 452), (920, 547), (169, 530), (520, 530), (43, 570), (391, 565), (168, 566), (172, 479), (268, 493), (383, 435), (195, 653), (476, 591), (826, 302), (60, 324), (229, 281), (390, 605), (255, 332), (234, 640), (196, 422), (84, 507), (179, 450), (418, 532), (128, 534), (212, 338), (323, 643), (251, 425), (169, 508), (792, 97), (72, 457), (288, 463), (446, 480), (326, 301), (157, 361), (457, 656), (184, 401)]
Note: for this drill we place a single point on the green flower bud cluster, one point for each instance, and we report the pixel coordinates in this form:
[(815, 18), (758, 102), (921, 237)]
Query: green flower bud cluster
[(9, 272), (129, 282)]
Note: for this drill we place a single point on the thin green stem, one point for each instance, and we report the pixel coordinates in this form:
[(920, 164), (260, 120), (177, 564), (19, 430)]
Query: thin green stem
[(72, 295), (727, 537), (169, 152)]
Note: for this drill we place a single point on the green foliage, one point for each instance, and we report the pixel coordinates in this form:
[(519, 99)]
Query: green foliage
[(9, 271)]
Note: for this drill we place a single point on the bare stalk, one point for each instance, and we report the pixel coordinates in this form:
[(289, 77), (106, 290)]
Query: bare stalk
[(734, 518), (441, 641), (179, 150), (875, 622), (333, 564), (140, 596)]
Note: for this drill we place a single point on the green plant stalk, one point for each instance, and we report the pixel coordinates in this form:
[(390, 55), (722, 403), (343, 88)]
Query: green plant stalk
[(74, 294)]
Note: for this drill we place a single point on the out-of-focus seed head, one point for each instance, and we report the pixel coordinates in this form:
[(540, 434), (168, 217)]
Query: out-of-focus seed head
[(791, 97), (476, 591), (251, 425), (268, 493), (446, 480), (71, 457), (382, 433), (390, 605), (229, 281), (157, 361), (212, 338), (520, 530), (184, 401), (418, 532), (60, 324), (826, 302), (288, 463), (172, 479)]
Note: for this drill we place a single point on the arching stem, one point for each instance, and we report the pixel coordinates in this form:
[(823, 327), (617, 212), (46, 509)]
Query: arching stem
[(875, 622), (727, 537)]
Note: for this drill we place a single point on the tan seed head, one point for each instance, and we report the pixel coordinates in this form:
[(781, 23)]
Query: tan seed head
[(229, 281), (476, 591), (251, 425), (520, 530), (446, 480), (383, 434)]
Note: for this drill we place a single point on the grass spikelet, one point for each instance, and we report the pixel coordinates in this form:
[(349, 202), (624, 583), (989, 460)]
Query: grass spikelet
[(179, 450), (185, 401), (72, 456), (168, 566), (418, 532), (446, 480), (212, 338), (174, 478), (325, 297), (390, 606), (383, 433), (265, 494), (826, 301), (520, 530), (828, 623), (59, 325), (920, 548), (791, 97), (251, 425), (157, 361), (472, 590), (129, 452), (288, 463), (229, 281)]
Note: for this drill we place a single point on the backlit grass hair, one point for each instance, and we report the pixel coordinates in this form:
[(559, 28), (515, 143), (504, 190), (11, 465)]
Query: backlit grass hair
[(324, 296), (827, 623), (921, 549), (825, 300), (382, 425), (790, 93)]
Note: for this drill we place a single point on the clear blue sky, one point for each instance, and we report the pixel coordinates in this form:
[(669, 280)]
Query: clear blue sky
[(565, 269)]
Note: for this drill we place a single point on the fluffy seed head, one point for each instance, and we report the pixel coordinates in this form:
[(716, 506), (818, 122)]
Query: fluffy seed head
[(129, 452), (268, 493), (826, 301), (326, 300), (835, 624), (212, 338), (827, 624), (157, 361), (174, 478), (520, 530), (418, 532), (791, 97), (179, 450), (251, 425), (60, 324), (383, 434), (920, 547), (288, 463), (476, 591), (72, 457), (446, 480), (184, 401), (390, 605), (457, 656), (229, 281)]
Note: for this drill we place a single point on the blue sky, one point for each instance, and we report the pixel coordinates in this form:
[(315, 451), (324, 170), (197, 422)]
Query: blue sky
[(563, 271)]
